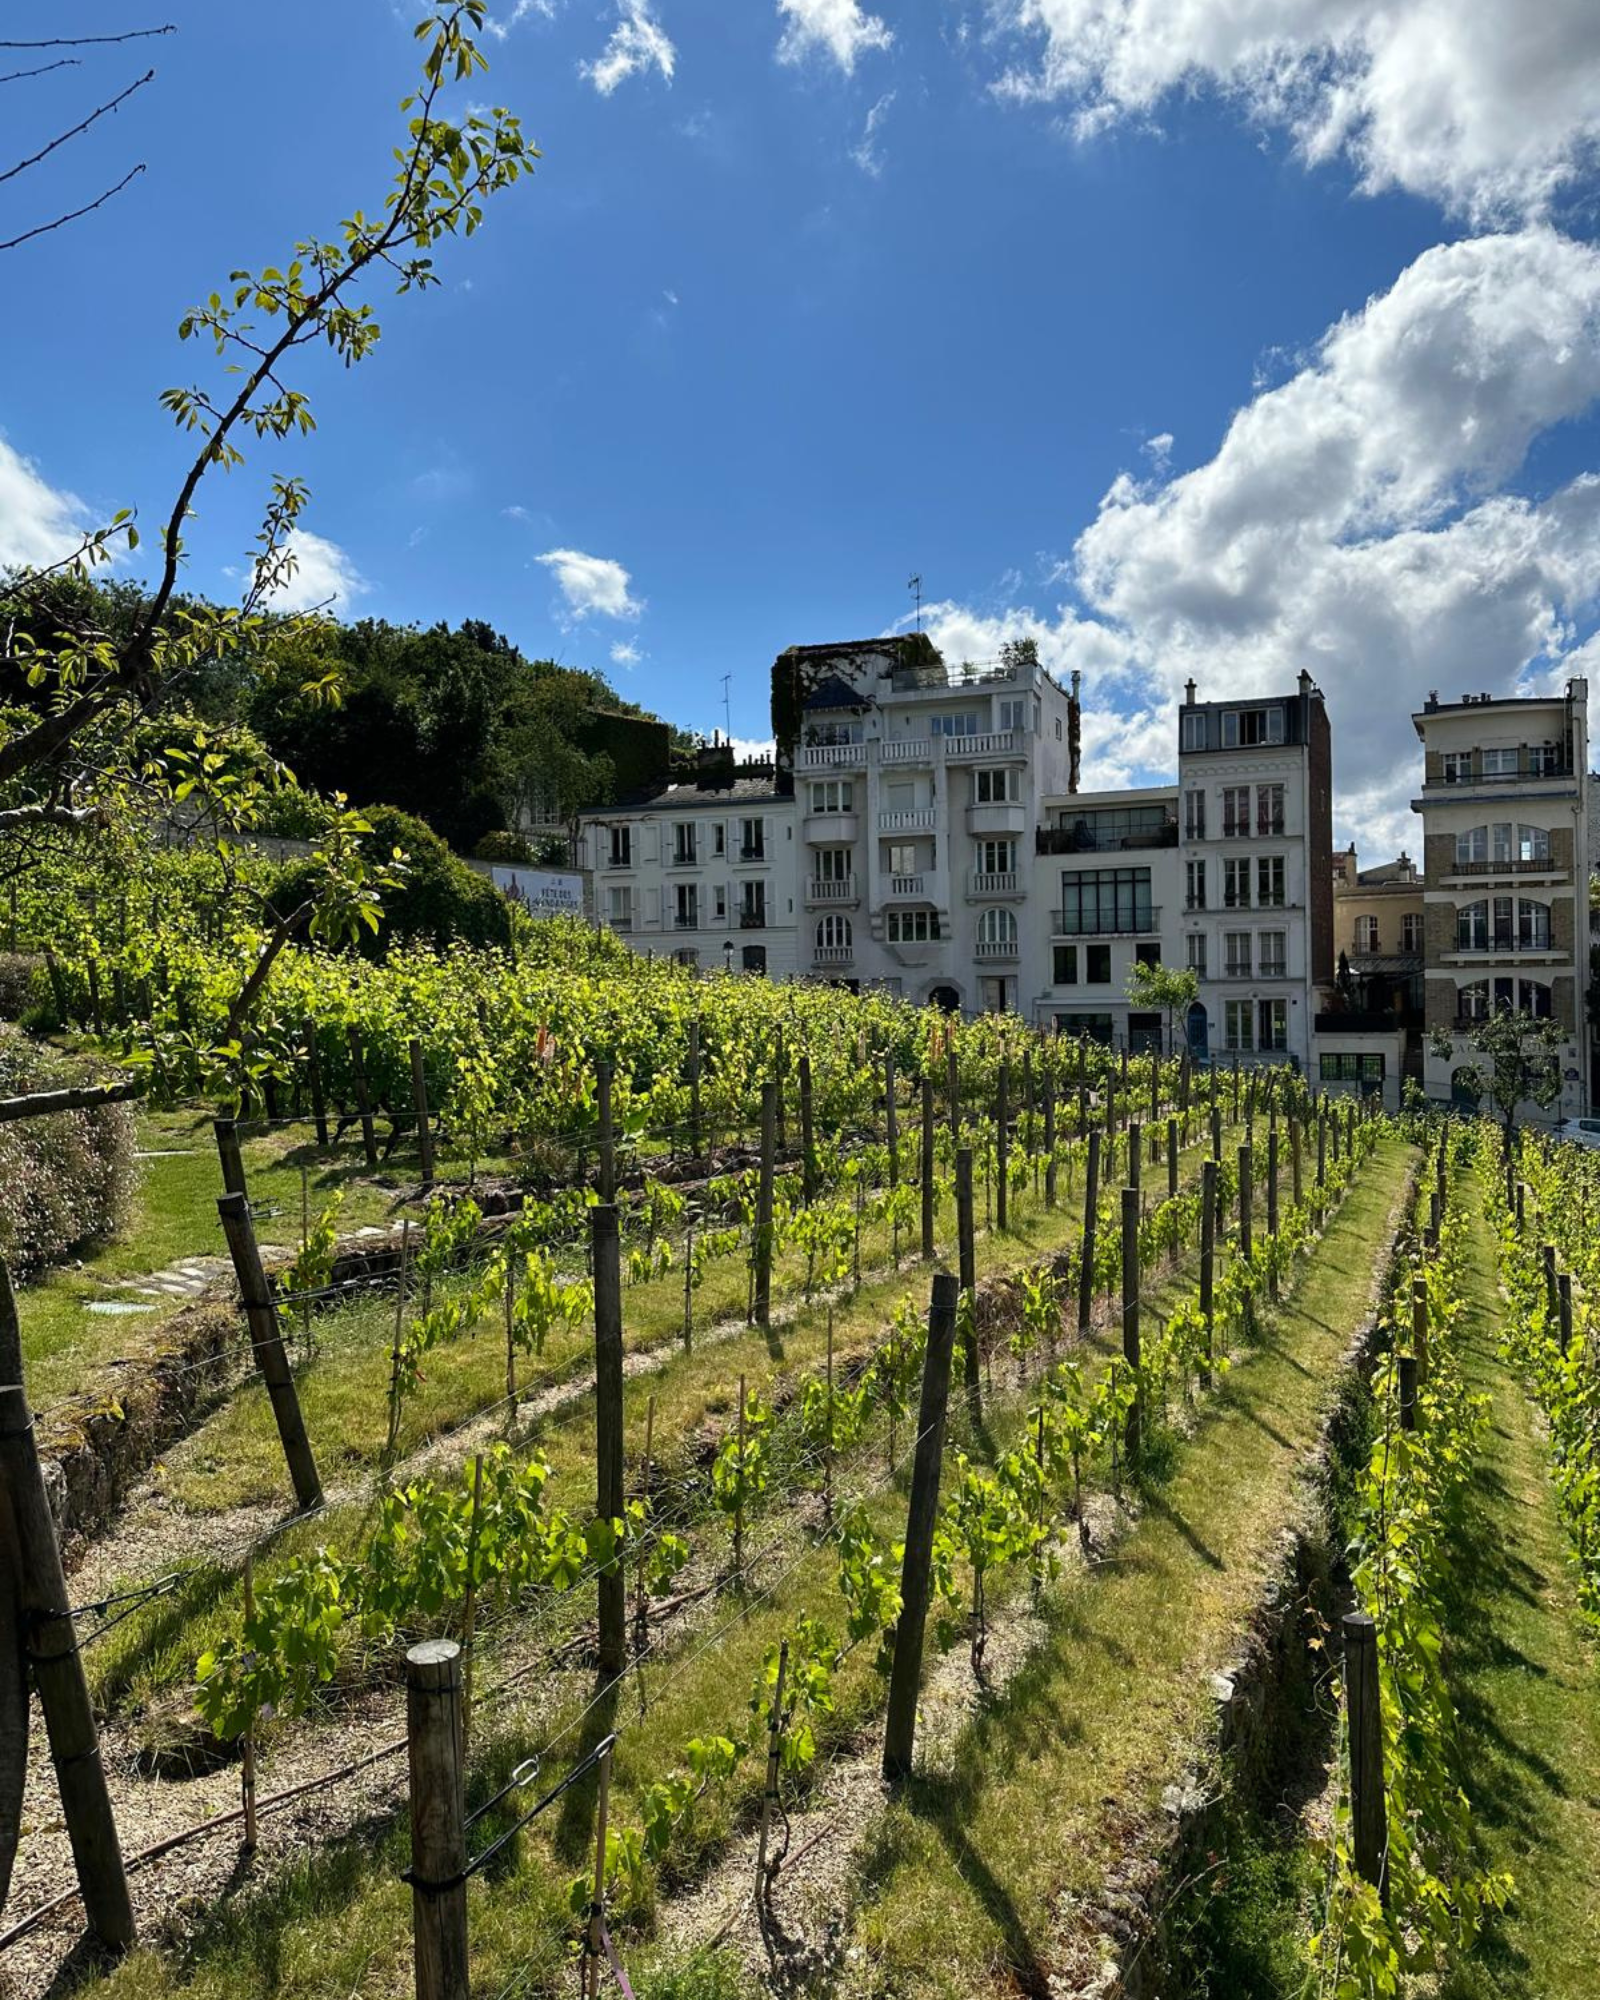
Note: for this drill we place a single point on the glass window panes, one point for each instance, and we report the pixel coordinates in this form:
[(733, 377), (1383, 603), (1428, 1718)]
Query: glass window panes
[(911, 926), (833, 932), (1097, 965), (1269, 808), (996, 787), (1411, 932), (1242, 727), (1193, 729), (1105, 901), (621, 846), (1236, 885), (966, 724), (998, 928), (1194, 815), (1351, 1068), (752, 839), (1269, 881), (1066, 965), (1108, 829), (1197, 952), (1366, 934), (1272, 1024), (1013, 713), (1239, 1024), (1235, 809), (1273, 947), (997, 857), (832, 864), (1236, 954), (1500, 763), (831, 795), (1194, 875), (1472, 846)]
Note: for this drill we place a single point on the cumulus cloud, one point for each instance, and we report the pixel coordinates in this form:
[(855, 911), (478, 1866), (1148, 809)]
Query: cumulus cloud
[(591, 585), (748, 749), (324, 577), (625, 654), (1489, 107), (836, 28), (39, 523), (1355, 521), (638, 42)]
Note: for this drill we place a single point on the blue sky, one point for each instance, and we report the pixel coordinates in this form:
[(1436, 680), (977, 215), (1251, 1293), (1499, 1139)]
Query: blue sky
[(1190, 338)]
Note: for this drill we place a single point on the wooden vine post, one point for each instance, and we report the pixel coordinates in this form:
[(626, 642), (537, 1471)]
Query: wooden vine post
[(1172, 1159), (927, 1188), (261, 1317), (966, 1262), (916, 1565), (419, 1107), (1208, 1259), (438, 1820), (762, 1311), (358, 1078), (230, 1155), (891, 1119), (1419, 1326), (1050, 1167), (608, 1139), (953, 1091), (1246, 1202), (319, 1095), (49, 1635), (1130, 1315), (1272, 1192), (1002, 1147), (1091, 1202), (609, 1501), (1135, 1139), (247, 1775), (808, 1136), (694, 1087), (1365, 1725)]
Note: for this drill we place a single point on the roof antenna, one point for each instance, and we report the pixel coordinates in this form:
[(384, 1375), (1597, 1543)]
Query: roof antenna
[(727, 707), (915, 587)]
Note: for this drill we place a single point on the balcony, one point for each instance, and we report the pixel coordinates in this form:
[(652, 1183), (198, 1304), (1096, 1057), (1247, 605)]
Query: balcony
[(616, 860), (909, 819), (820, 891), (683, 861), (990, 951), (686, 920), (1085, 840), (1511, 865), (833, 955), (1261, 829), (831, 757), (908, 749), (996, 743), (621, 923), (997, 884), (753, 920), (832, 829), (1504, 944), (1143, 922), (752, 856), (998, 816), (905, 888)]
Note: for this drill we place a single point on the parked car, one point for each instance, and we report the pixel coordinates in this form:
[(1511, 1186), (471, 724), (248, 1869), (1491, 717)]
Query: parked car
[(1580, 1131)]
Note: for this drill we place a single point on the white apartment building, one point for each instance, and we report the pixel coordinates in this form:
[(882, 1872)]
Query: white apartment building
[(702, 869), (918, 789), (1106, 895), (1255, 783), (1505, 815)]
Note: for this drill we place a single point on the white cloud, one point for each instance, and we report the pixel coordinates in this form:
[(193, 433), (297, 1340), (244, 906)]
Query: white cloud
[(626, 654), (1355, 521), (591, 584), (1488, 106), (324, 577), (39, 523), (638, 42), (837, 28), (500, 25), (867, 155), (752, 748)]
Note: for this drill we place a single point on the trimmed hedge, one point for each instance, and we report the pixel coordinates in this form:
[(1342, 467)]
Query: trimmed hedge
[(66, 1179)]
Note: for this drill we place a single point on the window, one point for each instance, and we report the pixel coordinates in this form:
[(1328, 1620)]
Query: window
[(1104, 901), (687, 915), (830, 795), (1472, 846), (1411, 932), (752, 839), (1066, 965), (1236, 954), (1236, 885), (1194, 815), (996, 788), (754, 958), (1194, 879), (1197, 952), (1013, 713), (753, 906), (912, 926), (1272, 1024), (1366, 934), (833, 933), (900, 794), (1239, 1021), (831, 864), (1273, 960), (1269, 881), (1472, 1002), (683, 848), (619, 909), (621, 846), (1147, 954), (997, 857), (967, 724), (1500, 763), (997, 931), (1193, 735), (1472, 927), (1269, 808), (1097, 965), (1367, 1069), (721, 904), (687, 955), (1545, 760), (1242, 727), (1094, 1027), (1235, 809), (1533, 925), (719, 838), (821, 734), (1533, 843), (1058, 728), (902, 857)]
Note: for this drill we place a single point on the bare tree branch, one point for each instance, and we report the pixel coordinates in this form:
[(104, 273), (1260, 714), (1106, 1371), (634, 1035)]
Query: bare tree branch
[(61, 138), (39, 1103), (93, 41), (21, 75), (13, 819), (72, 214)]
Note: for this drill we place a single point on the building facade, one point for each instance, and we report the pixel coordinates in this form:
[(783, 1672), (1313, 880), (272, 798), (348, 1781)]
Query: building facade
[(1505, 816), (917, 788), (1255, 818), (702, 869)]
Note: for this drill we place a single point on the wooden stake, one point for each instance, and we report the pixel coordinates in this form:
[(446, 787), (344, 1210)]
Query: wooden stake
[(927, 1171), (1365, 1723), (419, 1105), (438, 1820), (248, 1779), (762, 1312), (609, 1497), (230, 1154), (769, 1794), (469, 1613), (1130, 1314), (261, 1316), (1091, 1202)]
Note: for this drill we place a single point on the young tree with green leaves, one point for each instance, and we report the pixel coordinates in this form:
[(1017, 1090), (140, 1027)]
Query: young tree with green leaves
[(1513, 1059), (1171, 988)]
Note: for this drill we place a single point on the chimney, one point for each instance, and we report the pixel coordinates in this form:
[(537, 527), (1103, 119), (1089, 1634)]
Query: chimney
[(1307, 684), (1188, 693), (713, 766), (1074, 732)]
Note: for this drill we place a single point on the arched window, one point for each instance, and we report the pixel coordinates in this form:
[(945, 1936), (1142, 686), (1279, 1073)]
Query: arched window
[(1472, 1002), (833, 932), (997, 930), (1533, 925)]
